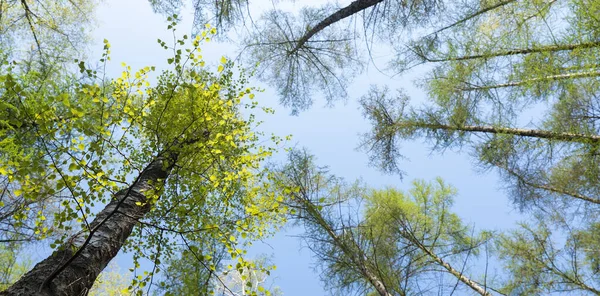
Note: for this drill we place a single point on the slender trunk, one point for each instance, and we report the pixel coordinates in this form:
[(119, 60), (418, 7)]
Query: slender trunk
[(534, 80), (357, 260), (354, 7), (546, 187), (473, 285), (474, 15), (532, 133), (523, 51), (73, 268)]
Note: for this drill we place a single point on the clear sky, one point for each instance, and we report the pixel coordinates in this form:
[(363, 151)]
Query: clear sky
[(332, 134)]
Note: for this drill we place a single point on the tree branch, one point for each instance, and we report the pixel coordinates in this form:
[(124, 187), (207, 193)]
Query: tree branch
[(523, 51), (533, 80), (354, 7), (546, 187), (532, 133)]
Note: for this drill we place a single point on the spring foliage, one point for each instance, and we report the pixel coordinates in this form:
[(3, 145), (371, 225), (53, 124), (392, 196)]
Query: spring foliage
[(70, 142)]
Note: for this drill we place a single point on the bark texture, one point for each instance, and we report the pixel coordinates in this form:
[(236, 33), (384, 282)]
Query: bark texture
[(73, 268)]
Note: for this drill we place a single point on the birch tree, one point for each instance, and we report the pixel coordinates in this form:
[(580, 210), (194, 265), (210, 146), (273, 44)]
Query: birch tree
[(134, 166)]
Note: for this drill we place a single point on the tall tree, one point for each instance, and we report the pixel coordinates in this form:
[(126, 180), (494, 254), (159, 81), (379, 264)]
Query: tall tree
[(522, 97), (167, 164), (316, 48), (401, 244), (514, 83), (544, 257)]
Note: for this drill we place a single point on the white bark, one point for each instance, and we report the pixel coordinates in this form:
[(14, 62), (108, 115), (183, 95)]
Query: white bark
[(73, 268)]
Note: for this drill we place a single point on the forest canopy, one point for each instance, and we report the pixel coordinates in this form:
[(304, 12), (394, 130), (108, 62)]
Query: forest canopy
[(175, 170)]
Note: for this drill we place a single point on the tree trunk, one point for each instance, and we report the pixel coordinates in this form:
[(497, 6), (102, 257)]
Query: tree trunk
[(531, 133), (522, 51), (458, 274), (557, 77), (74, 267), (354, 7), (357, 259)]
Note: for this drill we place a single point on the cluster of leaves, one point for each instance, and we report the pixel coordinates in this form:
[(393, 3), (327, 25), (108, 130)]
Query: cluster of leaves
[(47, 31), (488, 64), (69, 143)]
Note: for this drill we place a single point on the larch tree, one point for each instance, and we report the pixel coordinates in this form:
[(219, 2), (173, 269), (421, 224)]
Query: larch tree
[(514, 83), (382, 242), (517, 87), (134, 166), (314, 49)]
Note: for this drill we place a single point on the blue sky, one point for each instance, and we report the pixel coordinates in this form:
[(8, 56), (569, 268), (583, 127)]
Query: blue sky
[(332, 134)]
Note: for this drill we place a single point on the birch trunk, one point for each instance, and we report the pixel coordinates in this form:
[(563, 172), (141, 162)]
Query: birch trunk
[(73, 268)]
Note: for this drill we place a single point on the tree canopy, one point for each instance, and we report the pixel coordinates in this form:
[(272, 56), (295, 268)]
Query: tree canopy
[(401, 243), (173, 169), (512, 83), (126, 164)]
